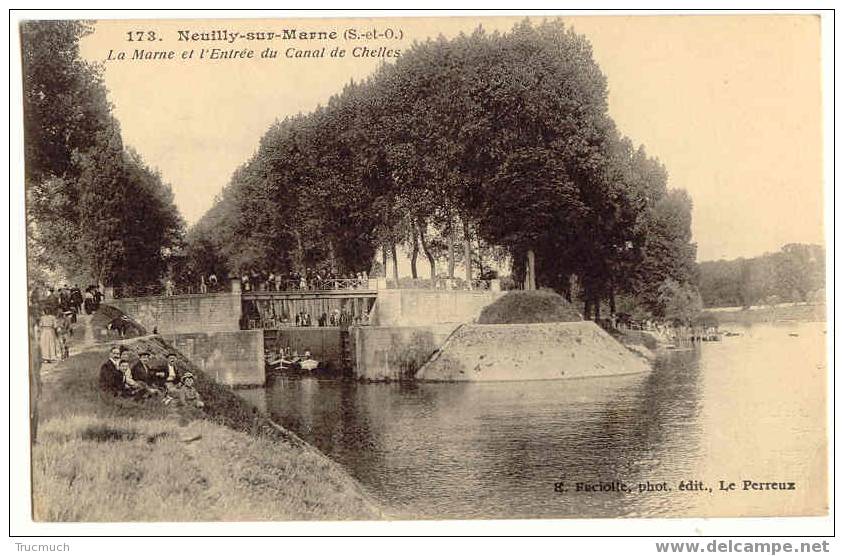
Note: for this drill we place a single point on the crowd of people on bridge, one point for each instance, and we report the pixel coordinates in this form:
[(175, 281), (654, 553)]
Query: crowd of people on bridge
[(262, 280), (272, 319), (310, 279)]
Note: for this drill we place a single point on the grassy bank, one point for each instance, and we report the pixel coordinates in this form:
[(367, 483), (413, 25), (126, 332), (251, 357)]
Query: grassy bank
[(100, 458), (527, 307), (776, 313)]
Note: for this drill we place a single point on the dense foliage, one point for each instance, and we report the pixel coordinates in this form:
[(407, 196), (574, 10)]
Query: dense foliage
[(487, 144), (795, 273), (522, 307), (95, 212)]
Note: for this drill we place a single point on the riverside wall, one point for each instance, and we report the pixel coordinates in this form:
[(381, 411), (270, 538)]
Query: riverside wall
[(395, 352), (229, 358), (175, 314), (402, 307), (408, 326)]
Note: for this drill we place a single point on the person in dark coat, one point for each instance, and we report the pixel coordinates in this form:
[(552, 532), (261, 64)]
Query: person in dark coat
[(168, 377), (111, 378), (141, 371), (76, 299)]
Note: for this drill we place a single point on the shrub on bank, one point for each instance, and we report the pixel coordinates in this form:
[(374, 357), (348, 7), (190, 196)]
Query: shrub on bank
[(524, 307)]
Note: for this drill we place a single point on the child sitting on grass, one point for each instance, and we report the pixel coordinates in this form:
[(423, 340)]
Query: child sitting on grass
[(185, 393)]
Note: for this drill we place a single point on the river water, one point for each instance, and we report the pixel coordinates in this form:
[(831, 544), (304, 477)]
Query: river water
[(751, 407)]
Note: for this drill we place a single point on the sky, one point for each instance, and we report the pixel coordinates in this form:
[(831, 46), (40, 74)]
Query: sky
[(730, 104)]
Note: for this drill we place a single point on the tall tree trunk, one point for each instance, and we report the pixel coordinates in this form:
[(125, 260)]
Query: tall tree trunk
[(395, 264), (332, 255), (567, 289), (467, 252), (530, 271), (427, 251), (299, 253), (612, 302), (451, 249), (384, 259), (587, 306), (414, 252), (597, 304), (481, 265)]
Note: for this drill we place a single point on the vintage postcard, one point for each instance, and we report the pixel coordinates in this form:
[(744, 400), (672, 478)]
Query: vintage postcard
[(425, 267)]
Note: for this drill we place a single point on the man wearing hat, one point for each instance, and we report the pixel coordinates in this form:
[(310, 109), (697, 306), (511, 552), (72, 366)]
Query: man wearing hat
[(111, 379), (169, 377), (141, 370)]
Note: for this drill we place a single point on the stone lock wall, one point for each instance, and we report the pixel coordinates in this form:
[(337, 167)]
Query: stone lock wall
[(231, 358), (395, 352), (425, 307), (184, 313)]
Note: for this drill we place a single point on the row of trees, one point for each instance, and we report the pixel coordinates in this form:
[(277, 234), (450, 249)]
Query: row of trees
[(95, 212), (795, 273), (490, 144)]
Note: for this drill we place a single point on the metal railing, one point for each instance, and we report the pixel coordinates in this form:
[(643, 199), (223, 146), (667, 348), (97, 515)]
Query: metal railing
[(166, 290), (440, 284), (314, 284)]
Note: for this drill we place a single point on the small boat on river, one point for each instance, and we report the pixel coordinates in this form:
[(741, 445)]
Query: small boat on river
[(291, 364)]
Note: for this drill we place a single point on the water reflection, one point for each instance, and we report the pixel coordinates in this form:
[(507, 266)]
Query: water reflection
[(497, 449)]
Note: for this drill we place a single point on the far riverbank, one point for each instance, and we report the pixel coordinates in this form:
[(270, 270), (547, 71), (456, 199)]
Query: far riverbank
[(804, 312)]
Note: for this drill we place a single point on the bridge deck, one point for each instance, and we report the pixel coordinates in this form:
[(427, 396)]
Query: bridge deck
[(309, 294)]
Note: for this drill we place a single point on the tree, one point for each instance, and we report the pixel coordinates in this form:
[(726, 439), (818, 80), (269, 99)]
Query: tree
[(680, 303), (499, 141), (94, 210), (791, 274)]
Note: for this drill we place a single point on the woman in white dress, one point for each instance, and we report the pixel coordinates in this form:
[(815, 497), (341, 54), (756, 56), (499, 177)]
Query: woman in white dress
[(48, 338)]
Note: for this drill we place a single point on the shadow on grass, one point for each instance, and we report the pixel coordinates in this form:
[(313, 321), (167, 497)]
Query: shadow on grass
[(107, 433)]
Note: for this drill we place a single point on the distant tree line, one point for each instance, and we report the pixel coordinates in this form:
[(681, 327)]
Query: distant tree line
[(794, 274), (95, 212), (487, 145)]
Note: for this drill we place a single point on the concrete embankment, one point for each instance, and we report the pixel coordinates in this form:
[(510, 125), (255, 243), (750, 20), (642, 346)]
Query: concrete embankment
[(497, 352), (101, 458)]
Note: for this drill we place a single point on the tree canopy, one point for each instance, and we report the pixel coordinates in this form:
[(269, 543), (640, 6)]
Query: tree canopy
[(794, 273), (95, 211), (488, 140)]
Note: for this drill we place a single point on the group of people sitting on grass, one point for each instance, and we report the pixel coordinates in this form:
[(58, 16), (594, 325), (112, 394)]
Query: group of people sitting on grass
[(122, 377)]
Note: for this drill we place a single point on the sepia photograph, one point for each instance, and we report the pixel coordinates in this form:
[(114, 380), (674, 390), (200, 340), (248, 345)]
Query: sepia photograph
[(424, 267)]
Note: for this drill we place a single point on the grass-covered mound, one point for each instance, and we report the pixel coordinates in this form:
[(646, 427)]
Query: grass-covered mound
[(101, 458), (525, 307)]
